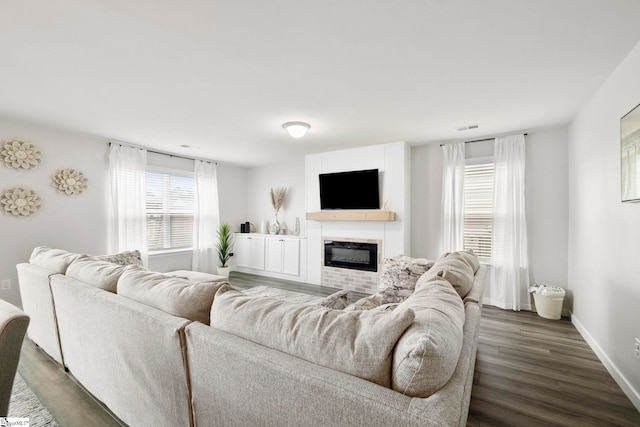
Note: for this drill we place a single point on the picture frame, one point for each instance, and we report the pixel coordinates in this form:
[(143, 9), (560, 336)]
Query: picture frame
[(630, 155)]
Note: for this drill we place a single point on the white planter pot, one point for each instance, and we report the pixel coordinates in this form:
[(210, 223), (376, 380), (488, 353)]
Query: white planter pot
[(224, 271)]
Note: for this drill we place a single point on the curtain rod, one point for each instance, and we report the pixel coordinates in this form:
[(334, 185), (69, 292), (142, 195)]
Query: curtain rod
[(162, 153), (485, 139)]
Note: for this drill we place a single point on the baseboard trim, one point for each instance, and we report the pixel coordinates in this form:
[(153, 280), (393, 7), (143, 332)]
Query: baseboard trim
[(626, 387)]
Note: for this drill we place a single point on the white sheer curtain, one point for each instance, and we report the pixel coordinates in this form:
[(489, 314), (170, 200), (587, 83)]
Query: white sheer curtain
[(206, 219), (128, 222), (452, 217), (510, 266)]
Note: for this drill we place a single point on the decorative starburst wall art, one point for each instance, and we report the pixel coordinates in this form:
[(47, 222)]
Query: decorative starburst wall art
[(20, 202), (20, 155), (69, 181)]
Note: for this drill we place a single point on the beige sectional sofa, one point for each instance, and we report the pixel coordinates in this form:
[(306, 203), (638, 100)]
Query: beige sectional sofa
[(163, 350)]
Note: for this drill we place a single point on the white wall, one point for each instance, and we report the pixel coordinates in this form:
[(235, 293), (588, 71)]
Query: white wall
[(76, 223), (547, 204), (260, 180), (604, 233), (79, 223)]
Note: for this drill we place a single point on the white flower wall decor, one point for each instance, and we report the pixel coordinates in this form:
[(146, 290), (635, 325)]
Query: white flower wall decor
[(69, 181), (20, 155), (20, 202)]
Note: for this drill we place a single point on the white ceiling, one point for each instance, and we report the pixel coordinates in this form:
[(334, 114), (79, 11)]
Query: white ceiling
[(225, 75)]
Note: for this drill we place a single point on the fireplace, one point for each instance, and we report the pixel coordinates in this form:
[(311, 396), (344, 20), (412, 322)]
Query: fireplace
[(351, 255)]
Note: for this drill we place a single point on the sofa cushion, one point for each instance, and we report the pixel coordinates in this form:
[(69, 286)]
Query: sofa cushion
[(173, 295), (56, 260), (123, 258), (468, 256), (337, 301), (454, 269), (94, 272), (427, 353), (399, 276), (357, 343), (366, 303)]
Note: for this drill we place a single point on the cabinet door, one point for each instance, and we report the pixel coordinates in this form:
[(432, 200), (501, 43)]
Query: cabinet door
[(291, 256), (274, 255), (256, 253), (250, 252), (242, 250)]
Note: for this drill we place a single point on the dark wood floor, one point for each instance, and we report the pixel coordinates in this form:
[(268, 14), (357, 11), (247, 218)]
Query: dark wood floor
[(530, 371)]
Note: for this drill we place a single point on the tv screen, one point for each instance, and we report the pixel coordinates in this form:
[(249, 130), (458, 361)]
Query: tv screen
[(350, 190)]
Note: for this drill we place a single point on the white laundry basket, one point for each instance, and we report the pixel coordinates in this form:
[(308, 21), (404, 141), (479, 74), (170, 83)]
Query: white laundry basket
[(548, 301)]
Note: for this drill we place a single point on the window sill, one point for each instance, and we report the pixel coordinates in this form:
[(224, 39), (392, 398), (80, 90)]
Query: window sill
[(168, 252)]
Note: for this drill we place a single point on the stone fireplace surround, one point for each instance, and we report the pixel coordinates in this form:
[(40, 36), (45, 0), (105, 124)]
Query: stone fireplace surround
[(349, 279)]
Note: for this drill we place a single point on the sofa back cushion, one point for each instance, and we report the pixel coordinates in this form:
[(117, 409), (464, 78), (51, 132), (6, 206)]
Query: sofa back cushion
[(468, 256), (173, 295), (399, 277), (358, 343), (454, 269), (56, 260), (94, 272), (427, 353)]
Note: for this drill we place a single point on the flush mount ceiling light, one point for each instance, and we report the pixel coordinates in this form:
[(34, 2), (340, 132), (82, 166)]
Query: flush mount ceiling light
[(296, 129)]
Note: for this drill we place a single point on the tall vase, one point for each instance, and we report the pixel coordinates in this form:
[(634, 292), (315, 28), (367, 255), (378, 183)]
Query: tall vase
[(296, 227), (275, 226)]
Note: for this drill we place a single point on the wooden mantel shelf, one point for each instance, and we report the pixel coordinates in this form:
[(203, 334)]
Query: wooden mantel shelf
[(351, 216)]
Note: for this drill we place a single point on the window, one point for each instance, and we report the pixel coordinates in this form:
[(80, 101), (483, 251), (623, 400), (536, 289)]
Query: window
[(170, 209), (478, 208)]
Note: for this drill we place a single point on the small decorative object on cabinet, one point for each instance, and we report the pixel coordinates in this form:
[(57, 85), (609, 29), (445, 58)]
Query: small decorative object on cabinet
[(264, 227), (20, 202), (296, 227), (69, 181), (224, 247), (277, 200), (20, 155)]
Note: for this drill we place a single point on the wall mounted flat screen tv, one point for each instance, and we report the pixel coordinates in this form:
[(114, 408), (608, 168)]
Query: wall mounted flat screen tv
[(350, 190)]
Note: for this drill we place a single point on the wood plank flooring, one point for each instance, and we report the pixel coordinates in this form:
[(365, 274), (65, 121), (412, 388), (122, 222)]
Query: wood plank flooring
[(530, 371)]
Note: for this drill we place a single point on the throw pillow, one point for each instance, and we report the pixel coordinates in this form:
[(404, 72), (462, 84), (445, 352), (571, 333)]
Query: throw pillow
[(366, 303), (123, 258), (337, 301), (358, 343), (399, 277)]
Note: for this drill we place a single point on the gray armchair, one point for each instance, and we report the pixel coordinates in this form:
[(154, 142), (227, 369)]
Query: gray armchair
[(13, 326)]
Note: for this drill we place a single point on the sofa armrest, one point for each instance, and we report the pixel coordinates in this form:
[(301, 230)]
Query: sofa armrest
[(37, 302)]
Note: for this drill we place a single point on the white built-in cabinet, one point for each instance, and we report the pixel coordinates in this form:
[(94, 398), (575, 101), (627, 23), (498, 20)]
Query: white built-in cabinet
[(260, 253), (249, 251), (283, 255)]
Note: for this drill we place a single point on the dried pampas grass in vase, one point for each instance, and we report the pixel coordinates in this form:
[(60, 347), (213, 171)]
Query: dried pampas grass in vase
[(277, 200)]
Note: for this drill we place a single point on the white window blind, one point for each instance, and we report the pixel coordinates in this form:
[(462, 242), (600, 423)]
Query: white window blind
[(170, 210), (478, 208)]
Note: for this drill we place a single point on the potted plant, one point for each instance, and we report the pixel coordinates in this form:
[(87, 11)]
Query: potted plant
[(224, 248)]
